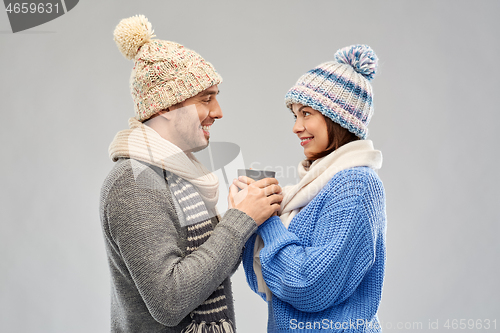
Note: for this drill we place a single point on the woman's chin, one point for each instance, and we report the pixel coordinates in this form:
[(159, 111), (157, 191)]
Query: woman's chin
[(308, 152)]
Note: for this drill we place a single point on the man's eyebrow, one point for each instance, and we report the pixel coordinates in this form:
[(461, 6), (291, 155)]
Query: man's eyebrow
[(209, 92)]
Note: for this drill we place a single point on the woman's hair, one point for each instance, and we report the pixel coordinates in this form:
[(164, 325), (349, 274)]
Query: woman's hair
[(337, 137)]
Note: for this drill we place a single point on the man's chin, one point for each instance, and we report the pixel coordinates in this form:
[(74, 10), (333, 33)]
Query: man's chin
[(198, 148)]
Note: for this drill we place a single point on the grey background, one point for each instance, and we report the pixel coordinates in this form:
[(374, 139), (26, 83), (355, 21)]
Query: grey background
[(64, 94)]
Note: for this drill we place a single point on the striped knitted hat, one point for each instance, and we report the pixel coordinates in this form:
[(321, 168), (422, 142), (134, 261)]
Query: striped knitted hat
[(340, 89), (165, 73)]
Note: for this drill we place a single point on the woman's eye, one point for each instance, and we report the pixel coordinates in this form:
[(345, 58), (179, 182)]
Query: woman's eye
[(306, 113)]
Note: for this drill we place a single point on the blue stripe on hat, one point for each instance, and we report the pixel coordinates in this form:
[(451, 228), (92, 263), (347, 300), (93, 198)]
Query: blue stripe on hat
[(295, 96), (348, 85), (358, 113)]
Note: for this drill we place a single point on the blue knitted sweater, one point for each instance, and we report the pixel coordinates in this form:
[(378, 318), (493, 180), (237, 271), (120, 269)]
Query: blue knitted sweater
[(326, 271)]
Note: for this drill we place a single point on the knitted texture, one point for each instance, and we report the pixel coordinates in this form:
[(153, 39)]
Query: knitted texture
[(340, 89), (155, 282), (313, 179), (212, 314), (328, 267), (165, 73)]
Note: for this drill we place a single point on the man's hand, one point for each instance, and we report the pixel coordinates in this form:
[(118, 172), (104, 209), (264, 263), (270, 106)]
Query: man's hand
[(258, 199)]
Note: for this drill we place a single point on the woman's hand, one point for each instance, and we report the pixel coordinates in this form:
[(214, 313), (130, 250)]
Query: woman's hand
[(258, 199)]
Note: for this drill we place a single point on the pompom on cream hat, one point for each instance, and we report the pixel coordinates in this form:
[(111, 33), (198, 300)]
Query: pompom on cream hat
[(165, 73)]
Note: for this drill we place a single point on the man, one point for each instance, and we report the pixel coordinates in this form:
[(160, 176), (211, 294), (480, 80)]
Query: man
[(169, 255)]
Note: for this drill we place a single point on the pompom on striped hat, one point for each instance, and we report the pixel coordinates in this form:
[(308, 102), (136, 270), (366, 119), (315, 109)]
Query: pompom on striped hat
[(165, 73), (340, 89)]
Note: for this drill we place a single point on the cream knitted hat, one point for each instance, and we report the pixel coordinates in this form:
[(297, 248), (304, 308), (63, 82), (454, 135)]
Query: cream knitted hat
[(165, 73)]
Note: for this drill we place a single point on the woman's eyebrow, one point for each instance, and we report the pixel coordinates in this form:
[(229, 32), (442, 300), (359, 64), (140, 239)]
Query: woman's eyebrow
[(301, 108)]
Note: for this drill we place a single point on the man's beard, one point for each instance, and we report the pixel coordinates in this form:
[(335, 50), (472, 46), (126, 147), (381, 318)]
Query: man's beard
[(195, 149), (192, 143), (189, 129)]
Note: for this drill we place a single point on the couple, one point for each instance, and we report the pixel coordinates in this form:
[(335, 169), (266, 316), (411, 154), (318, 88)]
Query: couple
[(314, 251)]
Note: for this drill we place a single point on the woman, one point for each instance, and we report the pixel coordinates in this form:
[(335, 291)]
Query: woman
[(321, 264)]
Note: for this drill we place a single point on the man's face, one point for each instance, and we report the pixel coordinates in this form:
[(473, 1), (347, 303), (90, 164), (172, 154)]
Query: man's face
[(193, 118)]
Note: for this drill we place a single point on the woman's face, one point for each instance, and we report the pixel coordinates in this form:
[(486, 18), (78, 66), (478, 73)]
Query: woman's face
[(310, 127)]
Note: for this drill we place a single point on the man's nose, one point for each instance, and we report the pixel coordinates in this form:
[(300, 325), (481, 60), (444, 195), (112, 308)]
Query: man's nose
[(216, 111)]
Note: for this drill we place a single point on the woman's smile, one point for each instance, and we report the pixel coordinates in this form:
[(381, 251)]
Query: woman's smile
[(305, 140)]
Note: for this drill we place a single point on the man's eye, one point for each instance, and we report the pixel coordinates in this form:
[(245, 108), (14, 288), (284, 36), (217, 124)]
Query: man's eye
[(207, 100), (306, 113)]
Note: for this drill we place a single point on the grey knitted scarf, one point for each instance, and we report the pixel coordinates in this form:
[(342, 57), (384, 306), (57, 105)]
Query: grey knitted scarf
[(211, 316)]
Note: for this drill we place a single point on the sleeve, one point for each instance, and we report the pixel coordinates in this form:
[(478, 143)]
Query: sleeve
[(248, 266), (170, 283), (326, 271)]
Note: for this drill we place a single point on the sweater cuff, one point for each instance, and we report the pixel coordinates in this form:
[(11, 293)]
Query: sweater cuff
[(271, 229), (240, 222)]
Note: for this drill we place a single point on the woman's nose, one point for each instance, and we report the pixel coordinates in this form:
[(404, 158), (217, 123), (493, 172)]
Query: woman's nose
[(298, 126)]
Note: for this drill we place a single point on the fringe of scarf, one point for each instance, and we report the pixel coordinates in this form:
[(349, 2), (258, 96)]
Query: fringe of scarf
[(222, 326)]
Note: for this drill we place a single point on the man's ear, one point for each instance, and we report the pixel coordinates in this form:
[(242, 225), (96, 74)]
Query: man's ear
[(166, 114)]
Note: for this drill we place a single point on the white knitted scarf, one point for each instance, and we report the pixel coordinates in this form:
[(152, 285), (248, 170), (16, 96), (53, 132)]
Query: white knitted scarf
[(143, 143), (312, 180)]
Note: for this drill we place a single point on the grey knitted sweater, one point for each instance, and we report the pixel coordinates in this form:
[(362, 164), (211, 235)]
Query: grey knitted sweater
[(154, 284)]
